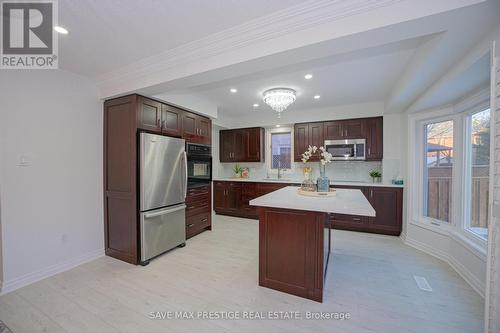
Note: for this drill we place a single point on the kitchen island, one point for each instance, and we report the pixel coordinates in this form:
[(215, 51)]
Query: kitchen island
[(294, 237)]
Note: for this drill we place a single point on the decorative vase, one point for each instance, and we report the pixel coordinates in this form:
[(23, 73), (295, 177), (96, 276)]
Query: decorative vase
[(323, 183), (376, 179)]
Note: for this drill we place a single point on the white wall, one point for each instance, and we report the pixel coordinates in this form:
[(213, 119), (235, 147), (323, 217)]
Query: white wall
[(191, 102), (51, 208)]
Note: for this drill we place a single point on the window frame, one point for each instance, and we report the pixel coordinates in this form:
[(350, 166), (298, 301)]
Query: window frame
[(459, 113), (269, 133), (466, 193)]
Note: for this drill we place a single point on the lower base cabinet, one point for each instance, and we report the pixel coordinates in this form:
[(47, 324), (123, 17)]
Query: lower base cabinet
[(388, 205), (198, 210), (232, 198)]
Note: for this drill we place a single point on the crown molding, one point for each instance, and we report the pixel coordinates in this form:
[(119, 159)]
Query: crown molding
[(300, 17)]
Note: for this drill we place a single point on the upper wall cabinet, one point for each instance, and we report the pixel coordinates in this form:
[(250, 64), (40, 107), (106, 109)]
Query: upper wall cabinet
[(305, 135), (242, 145), (157, 117), (374, 139), (315, 134), (344, 129)]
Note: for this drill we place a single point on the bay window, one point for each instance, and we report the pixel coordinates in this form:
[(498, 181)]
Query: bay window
[(450, 170)]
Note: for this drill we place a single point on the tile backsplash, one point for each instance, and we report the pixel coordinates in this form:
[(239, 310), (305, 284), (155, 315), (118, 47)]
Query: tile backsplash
[(337, 170)]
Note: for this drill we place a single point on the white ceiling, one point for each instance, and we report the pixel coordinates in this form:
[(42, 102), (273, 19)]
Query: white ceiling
[(109, 34), (356, 77)]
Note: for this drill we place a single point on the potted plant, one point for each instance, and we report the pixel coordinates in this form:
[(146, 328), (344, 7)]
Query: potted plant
[(376, 176), (237, 169), (322, 183)]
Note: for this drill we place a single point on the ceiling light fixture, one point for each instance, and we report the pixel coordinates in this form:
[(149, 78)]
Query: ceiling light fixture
[(278, 125), (279, 98), (233, 90), (317, 96), (308, 76), (61, 30), (256, 105)]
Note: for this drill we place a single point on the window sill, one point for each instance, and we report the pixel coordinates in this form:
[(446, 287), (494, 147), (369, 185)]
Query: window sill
[(443, 229), (479, 250)]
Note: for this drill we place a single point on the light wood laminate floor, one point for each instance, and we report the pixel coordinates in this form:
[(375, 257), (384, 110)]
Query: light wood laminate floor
[(370, 276)]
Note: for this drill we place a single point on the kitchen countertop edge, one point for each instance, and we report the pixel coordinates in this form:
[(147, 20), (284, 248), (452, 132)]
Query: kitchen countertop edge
[(295, 181)]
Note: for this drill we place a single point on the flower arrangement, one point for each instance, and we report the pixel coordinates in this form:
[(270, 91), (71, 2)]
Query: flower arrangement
[(324, 156)]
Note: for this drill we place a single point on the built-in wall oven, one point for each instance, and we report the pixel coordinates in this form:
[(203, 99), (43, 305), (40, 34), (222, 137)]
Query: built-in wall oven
[(346, 150), (199, 164)]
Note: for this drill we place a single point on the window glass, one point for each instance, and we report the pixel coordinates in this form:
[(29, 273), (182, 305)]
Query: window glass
[(438, 169), (478, 165), (281, 150)]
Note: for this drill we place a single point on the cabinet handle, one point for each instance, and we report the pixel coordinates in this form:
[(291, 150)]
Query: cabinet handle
[(204, 220), (164, 124), (356, 219), (158, 122), (368, 151), (190, 225)]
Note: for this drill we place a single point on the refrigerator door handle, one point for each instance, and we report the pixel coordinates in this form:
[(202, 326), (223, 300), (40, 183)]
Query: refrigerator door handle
[(185, 174), (164, 211)]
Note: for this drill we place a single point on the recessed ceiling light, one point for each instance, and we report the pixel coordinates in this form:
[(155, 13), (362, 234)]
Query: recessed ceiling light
[(256, 105), (278, 125), (308, 76), (61, 30), (233, 90), (317, 96)]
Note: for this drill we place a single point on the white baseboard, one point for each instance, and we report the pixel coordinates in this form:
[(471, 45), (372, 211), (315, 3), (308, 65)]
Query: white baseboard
[(9, 286), (466, 274), (427, 249)]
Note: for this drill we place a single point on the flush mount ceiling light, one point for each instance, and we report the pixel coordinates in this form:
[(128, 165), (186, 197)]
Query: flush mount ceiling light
[(279, 98), (61, 30), (233, 90), (308, 76), (256, 105), (317, 96)]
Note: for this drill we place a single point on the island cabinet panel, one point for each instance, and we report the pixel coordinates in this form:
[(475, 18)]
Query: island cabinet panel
[(198, 211), (242, 145), (305, 135), (292, 251)]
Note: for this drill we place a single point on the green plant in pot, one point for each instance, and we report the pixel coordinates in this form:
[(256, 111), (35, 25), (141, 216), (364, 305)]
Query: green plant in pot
[(237, 169), (376, 176)]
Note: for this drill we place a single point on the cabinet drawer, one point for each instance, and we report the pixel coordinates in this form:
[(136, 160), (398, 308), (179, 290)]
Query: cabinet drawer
[(198, 194), (348, 222), (195, 224), (198, 207)]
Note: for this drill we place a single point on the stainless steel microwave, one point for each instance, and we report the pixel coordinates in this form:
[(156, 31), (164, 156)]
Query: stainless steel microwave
[(346, 150)]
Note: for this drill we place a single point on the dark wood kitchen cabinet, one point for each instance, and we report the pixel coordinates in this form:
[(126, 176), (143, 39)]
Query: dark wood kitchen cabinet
[(198, 210), (197, 129), (171, 120), (305, 135), (232, 197), (242, 145), (315, 134), (149, 115), (227, 197), (374, 139), (161, 118), (388, 205), (124, 117)]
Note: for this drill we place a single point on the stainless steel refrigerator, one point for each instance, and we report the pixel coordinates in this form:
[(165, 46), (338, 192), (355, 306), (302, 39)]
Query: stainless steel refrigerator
[(163, 187)]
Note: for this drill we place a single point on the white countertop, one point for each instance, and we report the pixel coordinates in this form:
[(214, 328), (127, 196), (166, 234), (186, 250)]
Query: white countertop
[(297, 181), (347, 201)]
